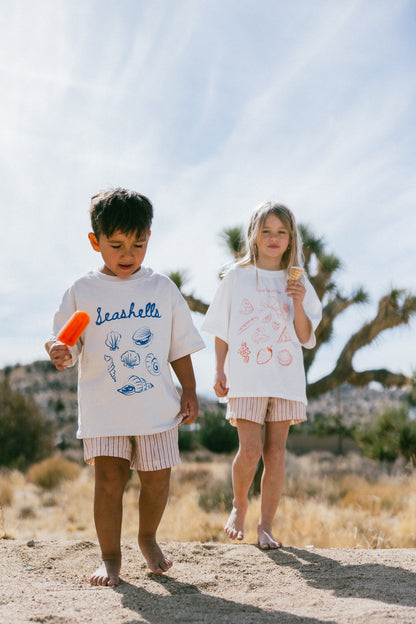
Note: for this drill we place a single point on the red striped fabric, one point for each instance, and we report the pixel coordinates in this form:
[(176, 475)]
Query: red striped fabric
[(148, 452), (265, 409)]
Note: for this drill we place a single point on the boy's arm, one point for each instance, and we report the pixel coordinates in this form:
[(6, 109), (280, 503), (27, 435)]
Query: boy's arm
[(189, 401), (220, 379)]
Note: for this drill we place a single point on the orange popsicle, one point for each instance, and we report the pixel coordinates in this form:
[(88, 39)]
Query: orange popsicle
[(74, 327)]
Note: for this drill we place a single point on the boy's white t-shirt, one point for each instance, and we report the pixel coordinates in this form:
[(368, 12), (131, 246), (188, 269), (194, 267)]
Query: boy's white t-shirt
[(138, 326), (254, 316)]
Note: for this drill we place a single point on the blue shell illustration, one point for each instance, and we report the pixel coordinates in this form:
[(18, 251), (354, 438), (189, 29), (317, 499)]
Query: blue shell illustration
[(142, 336), (110, 367), (135, 385), (152, 364), (130, 359), (112, 340)]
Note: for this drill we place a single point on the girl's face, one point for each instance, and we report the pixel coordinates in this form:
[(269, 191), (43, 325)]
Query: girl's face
[(122, 253), (272, 242)]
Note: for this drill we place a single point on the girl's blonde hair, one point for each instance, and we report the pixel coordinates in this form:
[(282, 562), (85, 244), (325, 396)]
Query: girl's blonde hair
[(293, 255)]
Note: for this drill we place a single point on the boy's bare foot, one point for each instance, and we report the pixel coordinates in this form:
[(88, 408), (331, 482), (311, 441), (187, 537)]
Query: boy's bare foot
[(107, 573), (266, 539), (234, 529), (156, 560)]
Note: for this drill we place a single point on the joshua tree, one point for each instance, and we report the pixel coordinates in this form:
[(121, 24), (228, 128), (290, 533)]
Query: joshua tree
[(396, 307)]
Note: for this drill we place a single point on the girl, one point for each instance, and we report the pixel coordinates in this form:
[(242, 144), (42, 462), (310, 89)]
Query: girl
[(261, 320)]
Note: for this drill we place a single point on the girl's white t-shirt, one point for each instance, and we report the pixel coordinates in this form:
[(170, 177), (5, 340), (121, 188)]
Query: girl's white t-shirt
[(254, 316), (138, 326)]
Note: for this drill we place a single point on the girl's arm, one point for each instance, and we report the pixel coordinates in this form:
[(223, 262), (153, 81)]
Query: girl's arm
[(303, 326), (220, 379)]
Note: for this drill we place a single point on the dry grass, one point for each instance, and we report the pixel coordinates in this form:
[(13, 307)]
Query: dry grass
[(329, 502), (51, 472)]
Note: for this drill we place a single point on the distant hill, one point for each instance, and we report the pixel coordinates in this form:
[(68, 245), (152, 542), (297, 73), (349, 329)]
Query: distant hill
[(56, 393)]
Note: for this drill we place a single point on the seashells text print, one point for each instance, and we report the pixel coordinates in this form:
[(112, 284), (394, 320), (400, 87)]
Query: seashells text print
[(112, 340), (142, 337), (130, 359), (135, 385), (152, 364), (148, 311)]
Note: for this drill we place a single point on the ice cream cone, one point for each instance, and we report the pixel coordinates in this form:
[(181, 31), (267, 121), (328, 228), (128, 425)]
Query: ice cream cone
[(295, 272)]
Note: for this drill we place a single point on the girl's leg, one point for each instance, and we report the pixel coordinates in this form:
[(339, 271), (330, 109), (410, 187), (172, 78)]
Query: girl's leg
[(154, 492), (244, 468), (273, 479), (111, 476)]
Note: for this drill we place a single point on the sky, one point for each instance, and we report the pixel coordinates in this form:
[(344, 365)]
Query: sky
[(208, 107)]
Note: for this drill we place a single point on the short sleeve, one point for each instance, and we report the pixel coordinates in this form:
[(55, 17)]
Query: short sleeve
[(185, 338), (313, 310), (217, 319)]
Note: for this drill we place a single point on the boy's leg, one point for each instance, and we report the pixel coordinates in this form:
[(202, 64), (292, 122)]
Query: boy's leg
[(111, 476), (154, 492), (273, 479), (244, 468)]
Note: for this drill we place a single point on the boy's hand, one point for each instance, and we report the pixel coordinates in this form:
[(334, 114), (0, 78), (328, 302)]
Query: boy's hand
[(220, 384), (189, 407), (59, 354)]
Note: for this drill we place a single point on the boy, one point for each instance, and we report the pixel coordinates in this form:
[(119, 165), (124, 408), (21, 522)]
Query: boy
[(129, 409)]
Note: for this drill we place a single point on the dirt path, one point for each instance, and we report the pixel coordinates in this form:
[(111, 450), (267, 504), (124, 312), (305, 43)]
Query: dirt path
[(209, 583)]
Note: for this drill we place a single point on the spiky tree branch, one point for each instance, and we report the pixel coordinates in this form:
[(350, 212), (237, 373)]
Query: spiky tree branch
[(395, 308)]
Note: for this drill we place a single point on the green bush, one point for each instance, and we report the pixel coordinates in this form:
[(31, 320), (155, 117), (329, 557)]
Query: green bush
[(390, 435), (216, 433), (186, 439), (25, 435)]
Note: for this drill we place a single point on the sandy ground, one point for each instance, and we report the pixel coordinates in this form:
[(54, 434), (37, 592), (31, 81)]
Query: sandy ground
[(209, 583)]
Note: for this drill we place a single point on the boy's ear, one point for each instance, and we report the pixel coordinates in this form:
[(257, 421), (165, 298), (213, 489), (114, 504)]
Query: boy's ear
[(94, 241)]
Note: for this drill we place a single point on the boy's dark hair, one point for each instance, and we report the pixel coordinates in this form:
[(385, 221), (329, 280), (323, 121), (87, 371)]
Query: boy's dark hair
[(120, 209)]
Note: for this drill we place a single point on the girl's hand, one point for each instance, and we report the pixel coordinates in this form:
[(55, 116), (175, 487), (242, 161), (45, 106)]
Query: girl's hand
[(296, 291), (220, 384), (60, 354)]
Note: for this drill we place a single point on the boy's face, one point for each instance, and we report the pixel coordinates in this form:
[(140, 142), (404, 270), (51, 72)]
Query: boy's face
[(122, 253)]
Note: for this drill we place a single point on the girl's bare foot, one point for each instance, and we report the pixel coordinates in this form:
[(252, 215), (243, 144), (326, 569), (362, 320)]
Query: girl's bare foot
[(107, 573), (234, 529), (156, 560), (266, 539)]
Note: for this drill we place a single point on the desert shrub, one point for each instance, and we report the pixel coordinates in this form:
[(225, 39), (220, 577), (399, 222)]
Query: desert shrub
[(389, 435), (216, 433), (187, 439), (25, 434), (6, 489), (407, 441), (51, 472), (217, 496)]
